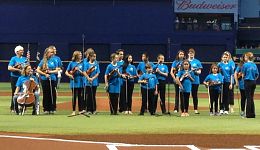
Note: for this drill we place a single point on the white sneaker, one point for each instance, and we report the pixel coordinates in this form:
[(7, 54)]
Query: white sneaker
[(232, 110), (183, 115), (211, 114), (226, 112), (242, 113), (73, 113), (196, 112), (221, 112), (175, 111), (88, 113), (129, 112)]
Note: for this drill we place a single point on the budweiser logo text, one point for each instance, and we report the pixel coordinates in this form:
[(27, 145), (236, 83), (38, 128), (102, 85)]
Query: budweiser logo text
[(189, 4)]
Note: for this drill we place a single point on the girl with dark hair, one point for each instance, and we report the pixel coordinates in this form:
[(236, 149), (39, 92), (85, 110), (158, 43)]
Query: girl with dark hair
[(176, 65), (241, 85), (213, 82), (129, 71), (184, 79)]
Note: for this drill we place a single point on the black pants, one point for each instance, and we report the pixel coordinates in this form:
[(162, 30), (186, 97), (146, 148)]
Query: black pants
[(126, 96), (13, 87), (214, 96), (226, 97), (113, 103), (250, 86), (177, 96), (91, 98), (161, 91), (231, 96), (194, 94), (78, 92), (150, 99), (122, 101), (243, 99), (185, 101), (49, 95)]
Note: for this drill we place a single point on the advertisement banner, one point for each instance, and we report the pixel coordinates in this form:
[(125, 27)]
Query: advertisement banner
[(206, 6)]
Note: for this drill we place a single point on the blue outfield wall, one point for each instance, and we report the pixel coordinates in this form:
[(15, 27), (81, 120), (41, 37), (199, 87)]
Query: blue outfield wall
[(136, 26)]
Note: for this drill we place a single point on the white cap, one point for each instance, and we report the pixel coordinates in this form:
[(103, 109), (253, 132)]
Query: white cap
[(17, 48)]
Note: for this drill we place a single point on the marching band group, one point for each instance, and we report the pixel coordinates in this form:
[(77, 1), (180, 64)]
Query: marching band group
[(120, 76)]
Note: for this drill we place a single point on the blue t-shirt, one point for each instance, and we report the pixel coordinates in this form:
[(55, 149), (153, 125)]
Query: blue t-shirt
[(250, 71), (120, 67), (114, 81), (152, 80), (241, 80), (57, 60), (131, 70), (96, 71), (195, 64), (22, 79), (232, 63), (177, 64), (186, 82), (215, 78), (141, 67), (163, 68), (52, 65), (227, 71), (15, 61), (78, 81)]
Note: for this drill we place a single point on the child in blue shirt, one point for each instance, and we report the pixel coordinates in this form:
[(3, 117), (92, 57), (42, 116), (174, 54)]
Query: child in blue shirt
[(75, 73), (59, 63), (176, 66), (240, 84), (91, 72), (250, 74), (128, 84), (196, 67), (227, 72), (21, 87), (112, 83), (214, 82), (184, 79), (161, 72), (47, 70), (149, 89), (120, 62), (141, 66)]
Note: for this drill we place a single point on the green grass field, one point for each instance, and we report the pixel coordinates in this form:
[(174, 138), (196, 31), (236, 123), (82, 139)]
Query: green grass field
[(103, 123)]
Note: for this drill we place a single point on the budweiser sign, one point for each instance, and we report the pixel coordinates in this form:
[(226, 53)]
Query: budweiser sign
[(206, 6)]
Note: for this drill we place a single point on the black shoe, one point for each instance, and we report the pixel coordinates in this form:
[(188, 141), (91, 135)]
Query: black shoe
[(166, 113), (33, 112), (141, 114), (113, 114)]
